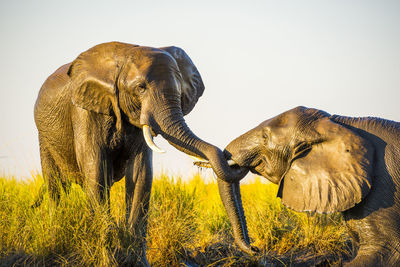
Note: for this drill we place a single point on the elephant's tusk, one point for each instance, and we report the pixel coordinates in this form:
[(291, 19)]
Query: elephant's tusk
[(198, 158), (202, 164), (231, 162), (149, 140)]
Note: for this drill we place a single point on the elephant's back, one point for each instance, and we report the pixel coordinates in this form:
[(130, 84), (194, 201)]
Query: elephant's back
[(52, 95), (54, 86), (58, 78)]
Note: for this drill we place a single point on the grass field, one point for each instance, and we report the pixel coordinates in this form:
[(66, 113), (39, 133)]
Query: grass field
[(187, 226)]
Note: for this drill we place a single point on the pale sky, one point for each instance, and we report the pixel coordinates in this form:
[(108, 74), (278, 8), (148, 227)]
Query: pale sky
[(257, 59)]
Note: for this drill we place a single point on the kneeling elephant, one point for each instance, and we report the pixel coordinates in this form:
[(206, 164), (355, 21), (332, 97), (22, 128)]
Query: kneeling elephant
[(326, 163)]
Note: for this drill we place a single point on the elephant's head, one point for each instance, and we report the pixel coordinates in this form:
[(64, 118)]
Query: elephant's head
[(319, 164), (151, 88)]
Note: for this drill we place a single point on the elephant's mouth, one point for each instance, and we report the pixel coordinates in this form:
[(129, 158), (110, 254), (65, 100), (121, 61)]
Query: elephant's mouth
[(259, 170), (237, 168), (206, 164)]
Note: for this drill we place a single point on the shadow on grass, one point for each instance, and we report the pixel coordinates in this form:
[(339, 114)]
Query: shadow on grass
[(221, 254), (21, 258), (218, 254)]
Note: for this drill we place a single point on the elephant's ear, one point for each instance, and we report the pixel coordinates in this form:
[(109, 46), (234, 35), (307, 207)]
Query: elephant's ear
[(92, 83), (192, 84), (333, 176)]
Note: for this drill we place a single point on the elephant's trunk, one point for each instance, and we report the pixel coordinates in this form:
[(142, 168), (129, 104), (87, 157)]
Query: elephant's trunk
[(174, 129), (231, 198)]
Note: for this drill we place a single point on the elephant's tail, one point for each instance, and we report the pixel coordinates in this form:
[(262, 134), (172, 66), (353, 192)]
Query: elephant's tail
[(39, 198)]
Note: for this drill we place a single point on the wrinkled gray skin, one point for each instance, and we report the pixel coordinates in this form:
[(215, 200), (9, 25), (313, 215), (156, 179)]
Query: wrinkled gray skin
[(89, 114), (327, 163)]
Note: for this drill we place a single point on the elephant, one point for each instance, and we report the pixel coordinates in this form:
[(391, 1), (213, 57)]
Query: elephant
[(326, 163), (97, 115)]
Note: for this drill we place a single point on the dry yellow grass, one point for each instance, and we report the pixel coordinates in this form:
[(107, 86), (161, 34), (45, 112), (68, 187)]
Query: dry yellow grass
[(187, 224)]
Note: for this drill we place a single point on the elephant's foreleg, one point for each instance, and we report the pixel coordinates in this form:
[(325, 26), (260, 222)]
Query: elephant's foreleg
[(98, 181), (93, 153), (372, 235), (375, 260), (138, 181), (97, 171)]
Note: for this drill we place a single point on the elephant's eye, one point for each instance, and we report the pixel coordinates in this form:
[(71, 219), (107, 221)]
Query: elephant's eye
[(141, 87)]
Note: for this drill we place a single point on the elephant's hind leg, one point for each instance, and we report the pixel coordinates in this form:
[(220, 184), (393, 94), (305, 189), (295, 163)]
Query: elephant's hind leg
[(51, 175)]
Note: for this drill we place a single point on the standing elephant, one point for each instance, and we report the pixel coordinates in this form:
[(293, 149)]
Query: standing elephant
[(96, 114), (326, 163)]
